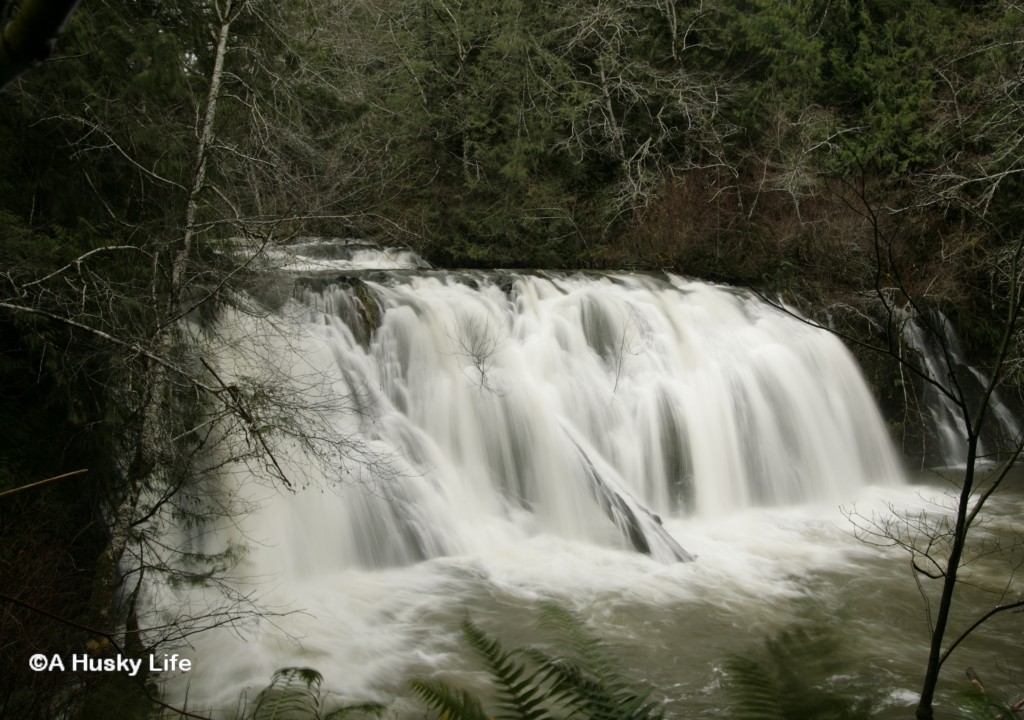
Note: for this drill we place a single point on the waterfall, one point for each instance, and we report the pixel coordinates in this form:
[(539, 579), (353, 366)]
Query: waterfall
[(500, 406), (936, 343), (668, 458), (494, 437)]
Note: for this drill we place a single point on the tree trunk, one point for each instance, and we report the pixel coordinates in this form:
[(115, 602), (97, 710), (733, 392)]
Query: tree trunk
[(157, 399), (931, 676), (202, 154)]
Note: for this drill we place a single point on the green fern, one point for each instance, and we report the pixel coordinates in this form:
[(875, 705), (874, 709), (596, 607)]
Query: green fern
[(596, 700), (294, 694), (759, 693), (451, 703), (532, 684), (521, 690), (590, 673), (788, 678)]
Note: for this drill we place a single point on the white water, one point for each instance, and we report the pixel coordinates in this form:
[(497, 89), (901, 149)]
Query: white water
[(943, 360), (313, 254), (495, 411), (531, 434)]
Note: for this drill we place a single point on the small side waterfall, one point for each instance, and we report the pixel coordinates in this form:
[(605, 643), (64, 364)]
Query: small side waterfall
[(941, 354), (589, 407)]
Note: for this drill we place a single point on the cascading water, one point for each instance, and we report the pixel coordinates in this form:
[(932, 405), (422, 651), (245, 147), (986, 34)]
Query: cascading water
[(530, 435), (585, 407), (941, 355)]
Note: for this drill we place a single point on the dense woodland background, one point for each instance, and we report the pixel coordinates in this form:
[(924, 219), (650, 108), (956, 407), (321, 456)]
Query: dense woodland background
[(826, 149)]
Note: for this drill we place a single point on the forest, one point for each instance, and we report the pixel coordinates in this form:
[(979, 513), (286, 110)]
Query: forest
[(846, 155)]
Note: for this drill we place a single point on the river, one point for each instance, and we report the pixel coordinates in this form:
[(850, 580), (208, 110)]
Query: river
[(679, 463)]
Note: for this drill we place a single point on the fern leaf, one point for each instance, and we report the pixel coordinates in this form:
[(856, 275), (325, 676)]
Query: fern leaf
[(522, 691), (755, 690), (293, 694), (790, 678), (451, 703), (534, 685), (591, 675)]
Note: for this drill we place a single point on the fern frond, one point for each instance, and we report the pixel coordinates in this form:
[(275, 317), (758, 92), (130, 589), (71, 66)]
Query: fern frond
[(590, 673), (534, 685), (450, 703), (755, 688), (789, 678), (571, 631), (293, 694), (522, 691)]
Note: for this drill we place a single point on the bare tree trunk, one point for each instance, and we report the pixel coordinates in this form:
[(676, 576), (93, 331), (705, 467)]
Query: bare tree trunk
[(966, 510), (157, 399), (181, 255), (931, 676)]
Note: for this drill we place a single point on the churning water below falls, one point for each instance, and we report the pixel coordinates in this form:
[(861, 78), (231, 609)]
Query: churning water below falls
[(667, 458)]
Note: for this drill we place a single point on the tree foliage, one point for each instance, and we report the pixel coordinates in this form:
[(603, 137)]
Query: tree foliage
[(536, 129), (148, 167)]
